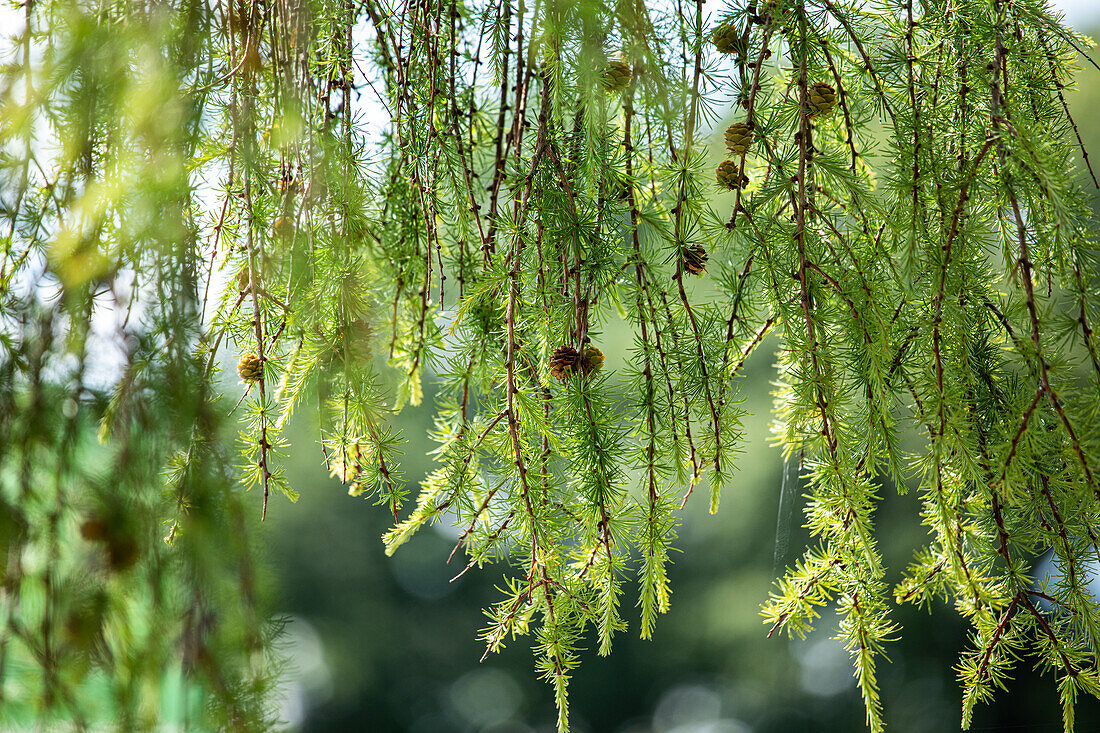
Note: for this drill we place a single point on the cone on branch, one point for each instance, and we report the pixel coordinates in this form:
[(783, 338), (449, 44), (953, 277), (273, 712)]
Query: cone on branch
[(616, 77), (564, 362), (820, 99), (250, 368), (112, 532), (730, 176), (728, 39), (591, 360), (738, 138), (567, 361), (244, 280), (695, 258)]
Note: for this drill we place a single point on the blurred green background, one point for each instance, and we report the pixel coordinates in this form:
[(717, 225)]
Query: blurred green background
[(388, 644)]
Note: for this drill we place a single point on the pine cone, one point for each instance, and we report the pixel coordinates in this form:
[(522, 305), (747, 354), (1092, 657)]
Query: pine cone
[(243, 279), (695, 259), (592, 361), (727, 174), (250, 368), (820, 98), (617, 76), (738, 138), (728, 39), (122, 548), (93, 530), (564, 362)]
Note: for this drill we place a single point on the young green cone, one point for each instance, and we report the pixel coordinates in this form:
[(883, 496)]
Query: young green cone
[(820, 98), (250, 368), (567, 361), (617, 76), (591, 361), (730, 177), (738, 138), (729, 40), (776, 11)]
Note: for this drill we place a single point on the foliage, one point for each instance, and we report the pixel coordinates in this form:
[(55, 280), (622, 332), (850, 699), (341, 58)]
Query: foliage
[(130, 594), (901, 210)]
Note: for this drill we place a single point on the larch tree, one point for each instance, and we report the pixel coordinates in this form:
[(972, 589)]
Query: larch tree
[(344, 197)]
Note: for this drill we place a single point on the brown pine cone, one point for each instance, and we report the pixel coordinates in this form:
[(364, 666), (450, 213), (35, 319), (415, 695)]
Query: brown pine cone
[(122, 548), (250, 368), (820, 98), (738, 138), (695, 258), (564, 362), (729, 176)]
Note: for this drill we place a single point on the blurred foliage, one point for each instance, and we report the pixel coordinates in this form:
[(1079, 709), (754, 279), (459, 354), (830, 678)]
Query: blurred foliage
[(130, 598)]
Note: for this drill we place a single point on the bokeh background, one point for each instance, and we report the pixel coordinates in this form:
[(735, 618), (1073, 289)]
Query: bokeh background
[(388, 644)]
